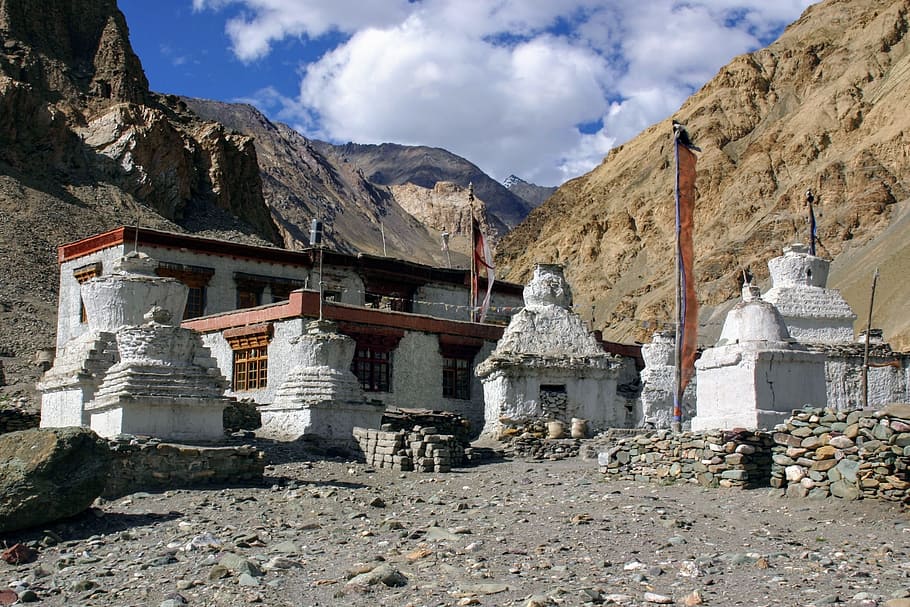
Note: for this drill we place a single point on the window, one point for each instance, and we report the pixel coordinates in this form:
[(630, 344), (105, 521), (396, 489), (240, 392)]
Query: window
[(83, 274), (195, 303), (251, 356), (456, 378), (458, 354), (281, 288), (373, 367), (249, 289), (196, 278), (247, 297), (372, 362)]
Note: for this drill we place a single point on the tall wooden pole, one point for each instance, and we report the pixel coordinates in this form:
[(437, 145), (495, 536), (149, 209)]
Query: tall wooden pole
[(471, 254), (676, 424), (866, 348)]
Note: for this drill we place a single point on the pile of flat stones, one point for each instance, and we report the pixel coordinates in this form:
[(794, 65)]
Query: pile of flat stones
[(733, 459), (422, 449), (445, 422), (821, 453), (531, 441)]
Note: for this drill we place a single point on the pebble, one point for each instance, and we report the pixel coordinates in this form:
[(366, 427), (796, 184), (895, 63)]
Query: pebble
[(660, 599)]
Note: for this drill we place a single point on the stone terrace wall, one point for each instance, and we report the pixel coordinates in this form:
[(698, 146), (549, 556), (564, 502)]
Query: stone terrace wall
[(422, 449), (815, 453), (712, 459), (152, 465), (847, 455)]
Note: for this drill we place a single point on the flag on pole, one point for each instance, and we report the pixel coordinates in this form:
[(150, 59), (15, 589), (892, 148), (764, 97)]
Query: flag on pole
[(813, 227), (687, 337), (483, 258)]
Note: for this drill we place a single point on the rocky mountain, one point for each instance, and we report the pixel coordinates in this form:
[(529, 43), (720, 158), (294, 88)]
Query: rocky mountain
[(534, 195), (392, 164), (305, 178), (824, 107), (85, 146)]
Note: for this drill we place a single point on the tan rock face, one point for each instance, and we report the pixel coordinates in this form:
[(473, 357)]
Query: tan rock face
[(821, 108)]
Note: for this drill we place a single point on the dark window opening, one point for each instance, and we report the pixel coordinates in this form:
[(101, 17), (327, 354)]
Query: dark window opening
[(373, 367), (553, 389), (456, 378), (196, 278)]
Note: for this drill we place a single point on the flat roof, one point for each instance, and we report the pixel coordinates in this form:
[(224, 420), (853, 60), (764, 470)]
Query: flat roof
[(370, 264)]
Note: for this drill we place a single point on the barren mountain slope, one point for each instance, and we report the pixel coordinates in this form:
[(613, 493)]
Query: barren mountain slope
[(300, 183), (534, 195), (85, 147), (824, 107), (393, 164)]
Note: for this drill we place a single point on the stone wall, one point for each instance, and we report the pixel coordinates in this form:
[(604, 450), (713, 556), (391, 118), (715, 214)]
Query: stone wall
[(847, 455), (421, 449), (15, 416), (147, 464), (714, 458), (815, 453)]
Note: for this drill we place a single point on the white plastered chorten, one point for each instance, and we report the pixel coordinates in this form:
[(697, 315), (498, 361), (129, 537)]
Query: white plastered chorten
[(134, 371), (756, 374), (548, 365)]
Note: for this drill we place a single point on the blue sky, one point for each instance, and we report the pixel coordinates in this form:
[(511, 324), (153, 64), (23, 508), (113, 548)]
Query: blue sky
[(539, 88)]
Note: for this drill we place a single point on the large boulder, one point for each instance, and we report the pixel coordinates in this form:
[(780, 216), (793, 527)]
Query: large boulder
[(47, 474)]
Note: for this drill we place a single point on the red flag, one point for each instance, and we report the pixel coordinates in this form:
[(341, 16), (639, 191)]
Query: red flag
[(688, 313), (483, 258)]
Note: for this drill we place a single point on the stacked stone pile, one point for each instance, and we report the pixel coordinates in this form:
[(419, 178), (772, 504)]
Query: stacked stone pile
[(820, 453), (422, 449), (736, 459), (553, 404), (146, 464), (445, 422), (15, 415), (531, 440)]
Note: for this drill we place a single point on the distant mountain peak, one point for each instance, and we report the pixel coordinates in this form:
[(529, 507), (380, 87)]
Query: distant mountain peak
[(533, 194), (512, 181)]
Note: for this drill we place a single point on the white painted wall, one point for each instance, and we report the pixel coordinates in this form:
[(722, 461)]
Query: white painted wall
[(416, 371), (751, 387)]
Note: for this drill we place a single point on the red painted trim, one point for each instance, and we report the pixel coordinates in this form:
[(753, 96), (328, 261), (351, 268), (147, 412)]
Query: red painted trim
[(89, 245), (247, 330)]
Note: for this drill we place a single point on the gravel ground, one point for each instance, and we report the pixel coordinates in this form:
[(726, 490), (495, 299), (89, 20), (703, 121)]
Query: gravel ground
[(528, 533)]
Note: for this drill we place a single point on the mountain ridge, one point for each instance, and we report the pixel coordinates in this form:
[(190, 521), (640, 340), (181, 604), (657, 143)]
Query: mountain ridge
[(820, 108)]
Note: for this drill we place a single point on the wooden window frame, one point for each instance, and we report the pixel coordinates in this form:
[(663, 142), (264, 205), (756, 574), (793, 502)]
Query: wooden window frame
[(458, 353), (83, 274), (456, 377), (373, 363), (250, 346), (196, 278)]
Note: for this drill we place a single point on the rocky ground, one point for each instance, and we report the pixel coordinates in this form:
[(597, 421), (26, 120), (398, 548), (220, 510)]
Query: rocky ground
[(336, 532)]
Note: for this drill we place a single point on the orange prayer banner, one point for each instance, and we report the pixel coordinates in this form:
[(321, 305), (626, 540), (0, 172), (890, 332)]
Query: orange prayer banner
[(685, 207)]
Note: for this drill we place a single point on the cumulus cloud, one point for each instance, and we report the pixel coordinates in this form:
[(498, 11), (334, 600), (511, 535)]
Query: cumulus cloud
[(507, 84)]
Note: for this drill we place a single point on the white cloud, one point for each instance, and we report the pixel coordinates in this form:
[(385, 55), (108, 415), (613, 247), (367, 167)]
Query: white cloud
[(503, 83)]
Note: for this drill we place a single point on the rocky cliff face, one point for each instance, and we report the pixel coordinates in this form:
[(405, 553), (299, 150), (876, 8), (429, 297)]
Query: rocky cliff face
[(301, 183), (824, 108), (304, 179), (85, 146), (74, 96), (392, 164)]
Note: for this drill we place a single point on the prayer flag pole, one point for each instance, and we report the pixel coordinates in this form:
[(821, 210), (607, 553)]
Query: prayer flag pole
[(473, 257), (866, 347), (686, 302)]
